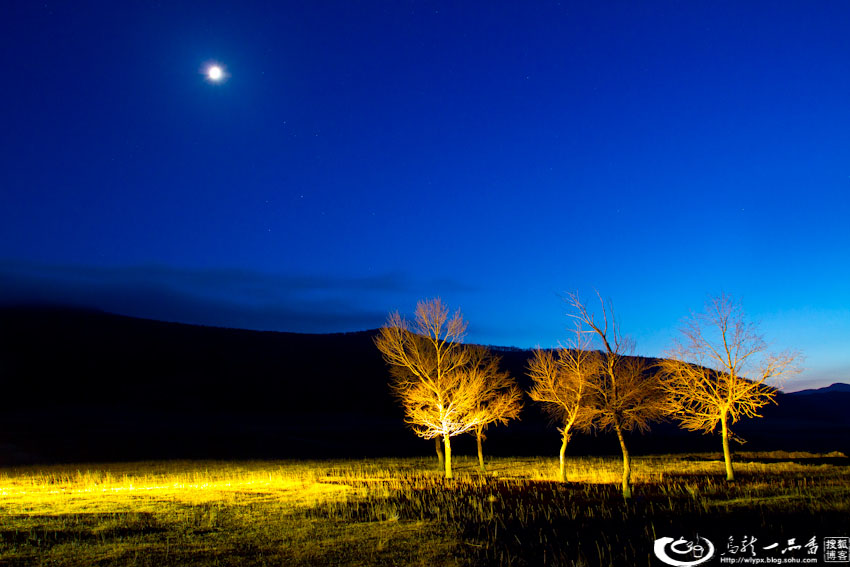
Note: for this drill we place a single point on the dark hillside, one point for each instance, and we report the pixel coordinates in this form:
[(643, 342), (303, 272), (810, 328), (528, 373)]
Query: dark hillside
[(91, 358), (81, 383), (84, 385), (802, 422)]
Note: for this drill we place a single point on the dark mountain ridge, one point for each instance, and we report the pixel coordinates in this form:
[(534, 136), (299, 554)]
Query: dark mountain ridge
[(832, 388), (87, 385)]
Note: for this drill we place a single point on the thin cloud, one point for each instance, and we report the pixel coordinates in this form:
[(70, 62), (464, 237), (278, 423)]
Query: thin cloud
[(221, 297), (228, 297)]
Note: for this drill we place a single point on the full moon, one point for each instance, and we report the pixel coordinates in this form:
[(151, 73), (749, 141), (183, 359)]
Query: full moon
[(215, 73)]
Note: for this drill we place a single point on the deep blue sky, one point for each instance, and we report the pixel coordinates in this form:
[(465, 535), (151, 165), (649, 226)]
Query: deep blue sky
[(363, 155)]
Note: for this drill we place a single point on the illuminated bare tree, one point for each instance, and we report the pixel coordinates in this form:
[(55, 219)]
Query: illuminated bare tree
[(431, 377), (499, 398), (717, 371), (562, 381), (398, 372), (627, 395)]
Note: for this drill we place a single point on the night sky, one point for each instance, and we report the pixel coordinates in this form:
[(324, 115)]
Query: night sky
[(360, 156)]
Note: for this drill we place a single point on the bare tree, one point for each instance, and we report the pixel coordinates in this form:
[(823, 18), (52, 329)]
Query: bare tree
[(562, 381), (432, 378), (499, 398), (717, 371), (401, 375), (626, 396)]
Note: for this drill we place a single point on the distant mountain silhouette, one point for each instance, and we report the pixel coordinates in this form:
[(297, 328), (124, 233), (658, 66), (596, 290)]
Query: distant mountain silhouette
[(81, 385), (832, 388)]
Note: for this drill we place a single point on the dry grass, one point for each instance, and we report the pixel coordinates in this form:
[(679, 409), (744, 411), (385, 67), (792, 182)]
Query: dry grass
[(400, 511)]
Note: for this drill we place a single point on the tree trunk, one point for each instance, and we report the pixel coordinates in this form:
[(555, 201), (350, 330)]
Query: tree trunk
[(627, 464), (447, 442), (439, 445), (564, 440), (727, 456), (478, 435)]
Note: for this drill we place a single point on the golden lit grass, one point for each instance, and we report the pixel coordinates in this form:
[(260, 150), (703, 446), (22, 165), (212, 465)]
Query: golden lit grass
[(393, 511), (202, 513), (143, 487)]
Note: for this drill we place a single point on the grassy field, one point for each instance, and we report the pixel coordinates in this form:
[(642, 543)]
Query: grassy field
[(401, 512)]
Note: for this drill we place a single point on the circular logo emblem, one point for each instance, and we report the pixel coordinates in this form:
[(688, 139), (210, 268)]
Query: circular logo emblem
[(682, 552)]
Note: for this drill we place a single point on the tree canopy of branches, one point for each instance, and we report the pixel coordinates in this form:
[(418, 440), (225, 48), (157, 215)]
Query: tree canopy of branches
[(561, 382), (499, 398), (626, 395), (717, 371), (445, 387)]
